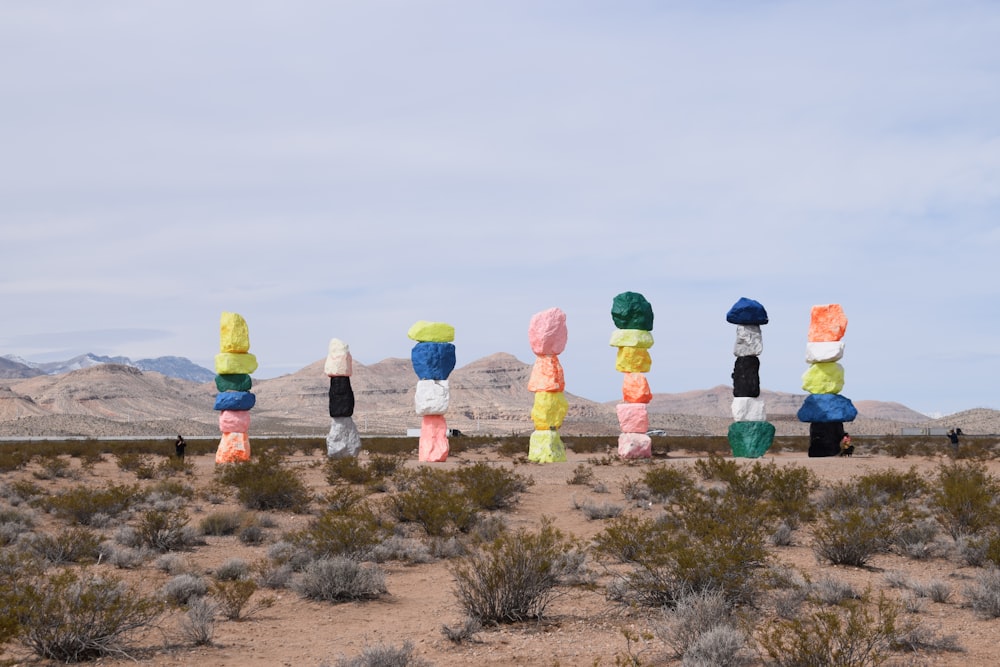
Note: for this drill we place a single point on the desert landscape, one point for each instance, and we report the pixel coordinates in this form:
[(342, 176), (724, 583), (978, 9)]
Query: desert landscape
[(417, 616), (689, 558)]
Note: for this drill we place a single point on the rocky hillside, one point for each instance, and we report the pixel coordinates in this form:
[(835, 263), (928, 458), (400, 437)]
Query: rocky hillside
[(488, 396)]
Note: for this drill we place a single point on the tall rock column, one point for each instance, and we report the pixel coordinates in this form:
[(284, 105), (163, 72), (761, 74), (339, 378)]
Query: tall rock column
[(343, 439), (233, 366), (633, 336), (547, 334), (750, 434), (824, 409), (433, 359)]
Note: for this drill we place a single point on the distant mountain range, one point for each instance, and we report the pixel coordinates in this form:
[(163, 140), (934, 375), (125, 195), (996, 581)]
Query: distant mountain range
[(104, 397), (12, 366)]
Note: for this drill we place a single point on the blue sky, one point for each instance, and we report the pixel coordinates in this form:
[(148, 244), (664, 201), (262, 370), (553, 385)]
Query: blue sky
[(344, 169)]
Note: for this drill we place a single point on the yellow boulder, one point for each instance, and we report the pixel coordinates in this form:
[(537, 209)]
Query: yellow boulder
[(549, 410), (431, 332), (633, 360), (632, 338), (228, 363), (824, 378), (234, 336), (546, 447)]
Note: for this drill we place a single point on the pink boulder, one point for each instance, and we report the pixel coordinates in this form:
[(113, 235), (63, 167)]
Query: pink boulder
[(635, 446), (433, 446), (632, 417), (547, 332)]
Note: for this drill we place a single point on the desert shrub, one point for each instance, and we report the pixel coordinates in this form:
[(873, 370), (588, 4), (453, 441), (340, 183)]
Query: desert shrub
[(252, 535), (894, 485), (703, 545), (341, 579), (721, 646), (431, 499), (170, 488), (171, 465), (22, 490), (830, 591), (858, 634), (667, 482), (405, 549), (53, 467), (965, 498), (582, 475), (232, 569), (593, 510), (899, 448), (164, 530), (347, 469), (266, 484), (234, 596), (15, 459), (513, 446), (140, 464), (463, 632), (783, 535), (351, 533), (917, 540), (693, 614), (71, 545), (635, 491), (984, 595), (513, 578), (273, 575), (198, 623), (69, 618), (81, 504), (717, 468), (124, 558), (341, 498), (491, 487), (183, 588), (935, 590), (853, 535), (384, 655), (222, 523)]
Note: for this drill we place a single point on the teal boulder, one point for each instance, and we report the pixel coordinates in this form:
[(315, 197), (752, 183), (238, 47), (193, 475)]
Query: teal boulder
[(630, 310), (750, 440)]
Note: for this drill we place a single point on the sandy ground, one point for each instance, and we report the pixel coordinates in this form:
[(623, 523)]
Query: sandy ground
[(582, 626)]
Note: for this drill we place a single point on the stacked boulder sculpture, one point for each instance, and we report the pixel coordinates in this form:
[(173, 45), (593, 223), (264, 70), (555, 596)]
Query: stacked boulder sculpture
[(824, 409), (433, 359), (633, 336), (233, 366), (547, 334), (343, 439), (750, 434)]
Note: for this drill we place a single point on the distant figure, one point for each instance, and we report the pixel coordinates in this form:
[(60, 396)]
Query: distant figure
[(846, 448), (953, 437), (179, 447)]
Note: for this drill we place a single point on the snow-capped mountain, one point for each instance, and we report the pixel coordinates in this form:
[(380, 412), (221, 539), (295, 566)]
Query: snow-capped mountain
[(177, 367)]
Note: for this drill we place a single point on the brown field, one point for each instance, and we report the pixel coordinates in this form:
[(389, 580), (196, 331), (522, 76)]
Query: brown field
[(581, 626)]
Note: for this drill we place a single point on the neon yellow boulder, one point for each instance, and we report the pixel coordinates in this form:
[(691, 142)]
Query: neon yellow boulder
[(431, 332), (546, 447), (229, 363), (824, 378)]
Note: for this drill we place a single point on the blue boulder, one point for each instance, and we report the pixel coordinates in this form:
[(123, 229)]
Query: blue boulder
[(747, 311), (827, 408), (235, 400), (433, 361)]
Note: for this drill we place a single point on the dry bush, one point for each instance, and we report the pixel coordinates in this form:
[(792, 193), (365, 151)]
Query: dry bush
[(164, 530), (340, 580), (351, 533), (383, 655), (582, 475), (513, 578), (430, 497), (233, 598), (965, 498), (265, 483), (71, 545), (198, 623), (702, 545), (491, 487), (181, 589), (69, 618), (858, 634), (81, 504)]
